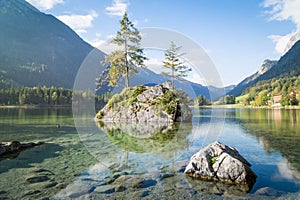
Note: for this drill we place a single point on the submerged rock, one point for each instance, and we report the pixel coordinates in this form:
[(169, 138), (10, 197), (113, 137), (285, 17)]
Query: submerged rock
[(267, 191), (15, 146), (219, 162), (37, 179)]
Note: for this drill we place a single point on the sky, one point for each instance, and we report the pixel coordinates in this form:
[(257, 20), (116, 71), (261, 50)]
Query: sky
[(236, 35)]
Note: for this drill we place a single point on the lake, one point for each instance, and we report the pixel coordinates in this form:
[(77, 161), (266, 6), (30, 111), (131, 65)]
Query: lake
[(129, 161)]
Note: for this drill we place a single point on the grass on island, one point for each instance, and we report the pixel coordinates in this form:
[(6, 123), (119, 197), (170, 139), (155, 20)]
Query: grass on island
[(166, 102)]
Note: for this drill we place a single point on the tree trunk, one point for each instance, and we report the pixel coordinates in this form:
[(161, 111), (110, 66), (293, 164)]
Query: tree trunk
[(127, 77), (173, 74), (126, 66)]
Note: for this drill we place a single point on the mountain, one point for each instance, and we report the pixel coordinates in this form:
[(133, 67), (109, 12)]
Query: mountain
[(149, 78), (247, 82), (292, 41), (287, 66), (37, 48), (219, 92)]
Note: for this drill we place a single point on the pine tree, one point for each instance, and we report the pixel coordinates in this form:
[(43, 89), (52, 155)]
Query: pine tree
[(124, 62), (174, 63)]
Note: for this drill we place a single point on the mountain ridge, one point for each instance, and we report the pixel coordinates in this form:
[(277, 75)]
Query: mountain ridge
[(37, 48), (287, 66), (252, 79)]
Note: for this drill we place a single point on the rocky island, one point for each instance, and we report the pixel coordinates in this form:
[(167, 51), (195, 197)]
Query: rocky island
[(147, 104)]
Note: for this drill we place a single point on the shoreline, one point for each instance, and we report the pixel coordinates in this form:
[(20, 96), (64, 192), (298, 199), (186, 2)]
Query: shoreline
[(34, 106), (229, 106)]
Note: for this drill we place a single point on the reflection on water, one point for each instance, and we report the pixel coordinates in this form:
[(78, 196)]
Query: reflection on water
[(162, 138), (142, 160), (278, 131), (139, 130)]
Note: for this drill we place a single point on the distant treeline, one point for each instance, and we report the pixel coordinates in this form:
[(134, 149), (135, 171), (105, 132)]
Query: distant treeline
[(43, 96)]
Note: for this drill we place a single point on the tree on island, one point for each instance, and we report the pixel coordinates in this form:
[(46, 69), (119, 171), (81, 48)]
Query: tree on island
[(173, 62), (124, 62)]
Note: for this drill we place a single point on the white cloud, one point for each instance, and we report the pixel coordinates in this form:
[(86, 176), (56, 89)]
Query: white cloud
[(281, 10), (135, 23), (281, 42), (117, 9), (79, 22), (155, 65), (103, 45), (196, 78), (45, 4), (284, 10), (98, 35), (110, 36)]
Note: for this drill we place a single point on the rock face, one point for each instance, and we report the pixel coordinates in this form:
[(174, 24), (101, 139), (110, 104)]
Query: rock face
[(219, 162), (14, 146), (146, 104)]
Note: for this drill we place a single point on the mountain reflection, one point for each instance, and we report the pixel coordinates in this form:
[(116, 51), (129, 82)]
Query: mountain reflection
[(276, 130)]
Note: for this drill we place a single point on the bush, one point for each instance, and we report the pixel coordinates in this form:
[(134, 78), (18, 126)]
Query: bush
[(138, 90)]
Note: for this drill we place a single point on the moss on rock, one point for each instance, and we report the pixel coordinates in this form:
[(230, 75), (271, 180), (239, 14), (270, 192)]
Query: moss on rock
[(145, 103)]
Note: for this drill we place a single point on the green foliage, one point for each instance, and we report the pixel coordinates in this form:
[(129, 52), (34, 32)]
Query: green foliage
[(244, 99), (262, 98), (125, 98), (169, 102), (138, 90), (263, 91), (100, 114), (293, 100), (123, 62), (43, 96), (213, 160), (35, 96), (165, 139), (202, 101), (38, 49), (174, 63), (228, 99), (115, 102)]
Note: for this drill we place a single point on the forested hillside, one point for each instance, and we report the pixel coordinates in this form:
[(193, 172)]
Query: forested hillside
[(36, 48), (283, 91)]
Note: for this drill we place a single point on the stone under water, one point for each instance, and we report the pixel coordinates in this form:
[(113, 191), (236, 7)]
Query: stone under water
[(15, 146)]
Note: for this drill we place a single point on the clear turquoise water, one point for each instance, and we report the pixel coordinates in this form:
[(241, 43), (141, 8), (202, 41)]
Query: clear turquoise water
[(268, 139)]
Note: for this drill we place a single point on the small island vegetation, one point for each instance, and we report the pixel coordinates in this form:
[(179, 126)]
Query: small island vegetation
[(124, 61), (142, 103), (145, 104), (174, 63)]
